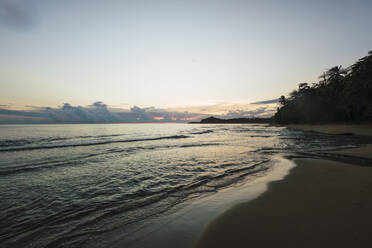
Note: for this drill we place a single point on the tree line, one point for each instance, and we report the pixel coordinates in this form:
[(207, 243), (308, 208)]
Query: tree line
[(341, 95)]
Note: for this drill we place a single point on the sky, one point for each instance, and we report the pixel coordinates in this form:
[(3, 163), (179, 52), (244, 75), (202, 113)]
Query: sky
[(171, 54)]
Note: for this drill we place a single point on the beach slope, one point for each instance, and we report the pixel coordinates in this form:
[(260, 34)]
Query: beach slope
[(356, 129), (320, 203)]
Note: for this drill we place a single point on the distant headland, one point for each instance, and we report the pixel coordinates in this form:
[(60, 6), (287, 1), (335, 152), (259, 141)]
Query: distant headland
[(214, 120)]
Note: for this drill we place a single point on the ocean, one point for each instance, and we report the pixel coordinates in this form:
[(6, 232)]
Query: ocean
[(96, 185)]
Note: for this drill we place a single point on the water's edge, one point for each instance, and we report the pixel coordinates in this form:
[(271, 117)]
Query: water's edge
[(182, 227)]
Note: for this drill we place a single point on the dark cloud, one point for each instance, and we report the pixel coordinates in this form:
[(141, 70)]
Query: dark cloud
[(67, 106), (21, 113), (99, 105), (98, 112), (267, 101), (5, 105), (34, 107), (137, 110), (22, 117), (16, 14), (142, 114), (259, 112)]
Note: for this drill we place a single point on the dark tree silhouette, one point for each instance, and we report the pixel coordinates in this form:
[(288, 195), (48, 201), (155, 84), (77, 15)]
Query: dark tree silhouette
[(341, 95), (282, 100)]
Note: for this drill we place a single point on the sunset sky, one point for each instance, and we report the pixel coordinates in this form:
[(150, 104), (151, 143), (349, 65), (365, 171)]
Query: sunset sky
[(170, 53)]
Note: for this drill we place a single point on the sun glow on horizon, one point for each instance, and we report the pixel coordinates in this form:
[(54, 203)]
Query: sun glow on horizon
[(207, 57)]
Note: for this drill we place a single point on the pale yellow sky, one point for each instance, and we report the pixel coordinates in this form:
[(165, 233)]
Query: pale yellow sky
[(172, 54)]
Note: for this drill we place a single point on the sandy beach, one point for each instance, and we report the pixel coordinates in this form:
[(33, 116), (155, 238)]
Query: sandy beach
[(359, 152), (320, 203), (356, 129)]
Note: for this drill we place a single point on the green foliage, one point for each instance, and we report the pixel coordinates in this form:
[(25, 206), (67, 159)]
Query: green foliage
[(341, 95)]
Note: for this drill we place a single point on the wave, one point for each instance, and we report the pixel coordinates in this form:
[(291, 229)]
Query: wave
[(42, 166), (198, 145), (94, 143), (90, 216), (204, 180), (261, 136), (83, 160), (18, 142), (202, 132), (23, 142)]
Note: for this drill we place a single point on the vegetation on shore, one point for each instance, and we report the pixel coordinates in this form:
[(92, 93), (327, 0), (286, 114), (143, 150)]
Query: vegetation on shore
[(213, 120), (341, 95)]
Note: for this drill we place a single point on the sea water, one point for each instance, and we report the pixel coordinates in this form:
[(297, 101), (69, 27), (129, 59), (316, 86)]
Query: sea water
[(76, 185)]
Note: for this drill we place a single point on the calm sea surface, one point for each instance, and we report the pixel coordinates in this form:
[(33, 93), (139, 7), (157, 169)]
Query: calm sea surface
[(73, 185)]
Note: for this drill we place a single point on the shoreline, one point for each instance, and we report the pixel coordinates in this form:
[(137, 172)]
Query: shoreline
[(182, 227), (320, 203), (334, 129)]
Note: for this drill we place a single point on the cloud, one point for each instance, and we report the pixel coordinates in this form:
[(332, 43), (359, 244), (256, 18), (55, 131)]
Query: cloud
[(5, 106), (267, 101), (25, 117), (33, 107), (261, 109), (16, 14), (262, 112), (96, 113), (137, 110), (99, 105), (99, 112)]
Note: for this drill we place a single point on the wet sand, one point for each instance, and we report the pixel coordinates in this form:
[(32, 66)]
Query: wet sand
[(360, 152), (183, 225), (320, 203), (356, 129)]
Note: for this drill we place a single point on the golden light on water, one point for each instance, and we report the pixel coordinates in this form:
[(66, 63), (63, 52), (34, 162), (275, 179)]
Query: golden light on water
[(158, 118)]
